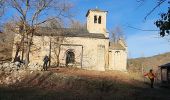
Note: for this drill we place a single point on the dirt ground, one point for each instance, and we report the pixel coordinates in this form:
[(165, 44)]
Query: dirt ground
[(77, 84)]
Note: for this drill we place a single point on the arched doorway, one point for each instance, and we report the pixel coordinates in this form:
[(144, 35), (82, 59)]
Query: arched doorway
[(70, 57)]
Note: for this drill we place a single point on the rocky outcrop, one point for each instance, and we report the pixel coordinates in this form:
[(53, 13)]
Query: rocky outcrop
[(35, 66), (10, 73)]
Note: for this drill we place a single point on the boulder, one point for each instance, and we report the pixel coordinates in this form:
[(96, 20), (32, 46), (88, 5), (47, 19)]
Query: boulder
[(6, 64), (8, 70), (12, 65), (1, 82), (7, 80), (1, 66), (35, 66)]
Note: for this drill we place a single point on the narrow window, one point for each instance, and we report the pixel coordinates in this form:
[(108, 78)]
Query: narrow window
[(95, 19), (70, 57), (99, 20), (117, 52)]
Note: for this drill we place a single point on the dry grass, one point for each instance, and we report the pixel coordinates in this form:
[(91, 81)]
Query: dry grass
[(120, 76), (77, 84), (148, 62)]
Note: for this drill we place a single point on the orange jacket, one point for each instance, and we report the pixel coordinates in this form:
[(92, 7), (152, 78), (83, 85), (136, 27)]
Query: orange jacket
[(150, 75)]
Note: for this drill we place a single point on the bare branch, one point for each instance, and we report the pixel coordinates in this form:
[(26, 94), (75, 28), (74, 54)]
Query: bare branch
[(77, 25), (44, 21), (141, 29), (40, 7), (1, 7), (159, 3), (18, 7), (27, 7), (30, 16), (116, 34)]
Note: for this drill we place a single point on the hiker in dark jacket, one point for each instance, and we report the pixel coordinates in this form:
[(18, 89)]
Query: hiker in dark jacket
[(46, 59), (151, 76), (18, 59), (18, 62)]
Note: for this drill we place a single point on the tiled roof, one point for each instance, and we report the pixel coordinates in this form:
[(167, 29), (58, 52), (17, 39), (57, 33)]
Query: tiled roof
[(116, 46), (165, 65), (94, 10), (67, 32)]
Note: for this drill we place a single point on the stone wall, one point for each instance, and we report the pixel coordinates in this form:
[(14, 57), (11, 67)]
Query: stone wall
[(87, 51), (118, 60), (90, 52)]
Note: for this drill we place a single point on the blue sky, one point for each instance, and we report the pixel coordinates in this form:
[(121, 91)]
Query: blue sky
[(124, 13)]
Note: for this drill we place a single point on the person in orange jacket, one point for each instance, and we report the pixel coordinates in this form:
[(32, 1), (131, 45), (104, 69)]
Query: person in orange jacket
[(151, 76)]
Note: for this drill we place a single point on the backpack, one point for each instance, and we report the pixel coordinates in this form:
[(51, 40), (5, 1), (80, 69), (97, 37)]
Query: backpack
[(151, 75)]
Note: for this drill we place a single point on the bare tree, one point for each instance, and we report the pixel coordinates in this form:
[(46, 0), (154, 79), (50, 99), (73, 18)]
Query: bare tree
[(57, 40), (164, 22), (54, 29), (159, 2), (57, 36), (77, 25), (54, 24), (116, 34), (1, 7), (11, 29), (32, 13)]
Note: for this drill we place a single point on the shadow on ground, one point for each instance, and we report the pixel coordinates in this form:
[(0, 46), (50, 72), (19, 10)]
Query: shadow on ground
[(58, 86)]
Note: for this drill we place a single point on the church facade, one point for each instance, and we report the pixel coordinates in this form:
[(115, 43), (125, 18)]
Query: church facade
[(86, 49)]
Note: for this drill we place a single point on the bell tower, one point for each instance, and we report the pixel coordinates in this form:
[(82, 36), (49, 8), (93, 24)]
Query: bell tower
[(96, 21)]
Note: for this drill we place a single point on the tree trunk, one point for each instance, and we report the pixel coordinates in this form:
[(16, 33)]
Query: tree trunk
[(16, 53), (58, 60), (27, 53), (29, 38), (23, 47), (50, 54), (18, 46)]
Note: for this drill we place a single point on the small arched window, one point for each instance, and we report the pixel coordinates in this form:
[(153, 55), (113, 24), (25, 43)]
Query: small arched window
[(117, 52), (99, 19), (95, 19)]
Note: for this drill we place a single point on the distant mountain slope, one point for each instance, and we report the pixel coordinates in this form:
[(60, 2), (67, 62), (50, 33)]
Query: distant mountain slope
[(148, 62)]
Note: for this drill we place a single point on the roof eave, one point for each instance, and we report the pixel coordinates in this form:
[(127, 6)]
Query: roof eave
[(94, 10)]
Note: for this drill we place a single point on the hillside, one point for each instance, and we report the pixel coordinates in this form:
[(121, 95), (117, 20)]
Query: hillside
[(76, 84), (148, 62)]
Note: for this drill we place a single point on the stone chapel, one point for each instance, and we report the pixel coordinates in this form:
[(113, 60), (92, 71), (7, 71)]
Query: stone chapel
[(86, 49)]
